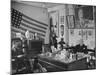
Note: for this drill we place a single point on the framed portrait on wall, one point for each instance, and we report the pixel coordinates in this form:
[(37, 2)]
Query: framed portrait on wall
[(70, 21), (87, 20)]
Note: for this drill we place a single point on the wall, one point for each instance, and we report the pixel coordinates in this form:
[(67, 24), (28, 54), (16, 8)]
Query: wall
[(90, 39), (37, 13), (61, 9), (87, 35), (73, 36)]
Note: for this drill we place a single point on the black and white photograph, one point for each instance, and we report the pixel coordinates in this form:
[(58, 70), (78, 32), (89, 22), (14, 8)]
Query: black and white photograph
[(52, 37)]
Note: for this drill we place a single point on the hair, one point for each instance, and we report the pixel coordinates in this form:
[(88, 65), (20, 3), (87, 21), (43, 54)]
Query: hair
[(36, 60)]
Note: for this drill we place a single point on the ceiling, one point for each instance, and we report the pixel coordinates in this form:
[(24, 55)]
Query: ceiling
[(40, 4)]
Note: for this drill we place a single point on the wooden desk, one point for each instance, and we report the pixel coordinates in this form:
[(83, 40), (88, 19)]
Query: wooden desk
[(53, 65)]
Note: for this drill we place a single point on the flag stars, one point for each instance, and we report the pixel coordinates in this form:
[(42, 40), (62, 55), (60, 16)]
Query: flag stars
[(16, 17)]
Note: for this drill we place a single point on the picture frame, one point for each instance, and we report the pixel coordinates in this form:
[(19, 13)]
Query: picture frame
[(70, 21)]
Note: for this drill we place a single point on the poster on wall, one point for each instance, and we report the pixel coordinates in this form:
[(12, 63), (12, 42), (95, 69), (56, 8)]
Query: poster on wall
[(70, 21), (46, 21), (84, 19)]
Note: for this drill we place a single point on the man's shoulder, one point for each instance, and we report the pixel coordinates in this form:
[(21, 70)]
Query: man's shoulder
[(77, 45)]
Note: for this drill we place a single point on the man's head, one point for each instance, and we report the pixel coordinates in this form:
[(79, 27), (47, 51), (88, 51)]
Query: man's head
[(35, 34), (27, 34), (59, 47)]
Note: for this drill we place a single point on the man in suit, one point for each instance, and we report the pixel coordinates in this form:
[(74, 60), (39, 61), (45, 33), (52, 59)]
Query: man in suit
[(62, 43), (81, 47)]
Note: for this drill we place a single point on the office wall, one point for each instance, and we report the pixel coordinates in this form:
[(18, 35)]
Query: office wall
[(73, 36), (90, 38), (61, 10), (87, 35), (37, 13)]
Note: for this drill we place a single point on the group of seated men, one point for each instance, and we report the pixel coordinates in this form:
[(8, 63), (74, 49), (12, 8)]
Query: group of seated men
[(20, 61)]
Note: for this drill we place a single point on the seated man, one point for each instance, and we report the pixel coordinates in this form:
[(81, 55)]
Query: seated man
[(62, 43), (18, 56), (81, 47), (37, 67)]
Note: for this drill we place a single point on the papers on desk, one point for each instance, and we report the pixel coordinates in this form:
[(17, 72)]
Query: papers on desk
[(66, 57)]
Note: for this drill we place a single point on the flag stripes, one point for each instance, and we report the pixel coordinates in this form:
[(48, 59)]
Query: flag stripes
[(20, 23), (35, 20), (17, 30), (32, 27), (32, 23), (31, 30)]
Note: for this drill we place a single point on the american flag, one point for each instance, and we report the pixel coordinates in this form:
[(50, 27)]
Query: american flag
[(16, 18), (21, 22)]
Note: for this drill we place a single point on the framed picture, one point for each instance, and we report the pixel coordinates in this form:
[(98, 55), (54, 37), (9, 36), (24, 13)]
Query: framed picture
[(70, 21), (84, 19)]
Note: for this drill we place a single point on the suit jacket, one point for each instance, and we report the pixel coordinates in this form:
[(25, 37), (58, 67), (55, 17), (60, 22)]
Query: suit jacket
[(80, 48)]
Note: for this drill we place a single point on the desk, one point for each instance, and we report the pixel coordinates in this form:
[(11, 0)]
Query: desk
[(54, 65)]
